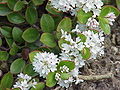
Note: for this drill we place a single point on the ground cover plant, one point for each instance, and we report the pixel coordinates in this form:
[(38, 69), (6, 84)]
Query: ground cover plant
[(45, 44)]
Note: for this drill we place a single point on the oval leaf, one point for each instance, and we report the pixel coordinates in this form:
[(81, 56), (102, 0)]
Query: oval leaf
[(4, 10), (69, 64), (17, 66), (11, 3), (31, 15), (86, 53), (48, 39), (18, 6), (7, 81), (17, 34), (15, 18), (65, 24), (50, 80), (47, 23), (4, 56), (32, 54), (29, 70), (30, 35), (82, 16), (107, 9), (39, 86), (6, 31), (38, 2)]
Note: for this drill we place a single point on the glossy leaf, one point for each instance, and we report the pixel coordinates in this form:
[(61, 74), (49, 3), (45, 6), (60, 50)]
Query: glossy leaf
[(50, 80), (9, 41), (104, 25), (6, 31), (48, 39), (30, 35), (4, 10), (32, 54), (11, 3), (86, 54), (4, 56), (19, 5), (69, 64), (39, 86), (107, 9), (14, 49), (83, 17), (31, 15), (29, 70), (17, 66), (38, 2), (47, 23), (15, 18), (65, 76), (7, 81), (65, 24), (52, 10), (17, 34)]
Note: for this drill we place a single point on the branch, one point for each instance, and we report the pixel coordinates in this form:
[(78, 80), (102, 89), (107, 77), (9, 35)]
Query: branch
[(96, 77)]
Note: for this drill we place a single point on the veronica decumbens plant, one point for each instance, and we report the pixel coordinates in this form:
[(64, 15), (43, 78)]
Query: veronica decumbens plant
[(65, 45)]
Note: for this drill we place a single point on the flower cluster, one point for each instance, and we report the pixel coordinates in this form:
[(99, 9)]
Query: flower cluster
[(44, 63), (73, 5), (110, 17), (24, 82)]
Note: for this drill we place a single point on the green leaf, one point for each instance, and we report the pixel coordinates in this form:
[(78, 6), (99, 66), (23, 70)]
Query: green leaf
[(82, 37), (30, 35), (6, 31), (29, 70), (17, 34), (31, 15), (65, 76), (48, 39), (104, 25), (47, 23), (83, 17), (61, 41), (32, 54), (7, 81), (107, 9), (4, 10), (69, 64), (4, 56), (39, 86), (14, 49), (9, 41), (38, 2), (50, 80), (52, 10), (0, 41), (15, 18), (65, 24), (19, 5), (11, 3), (17, 66), (86, 54)]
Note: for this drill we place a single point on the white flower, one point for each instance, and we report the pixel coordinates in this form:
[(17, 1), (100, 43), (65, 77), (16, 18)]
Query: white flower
[(94, 41), (73, 5), (44, 63), (111, 17), (92, 23), (64, 69), (24, 82)]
